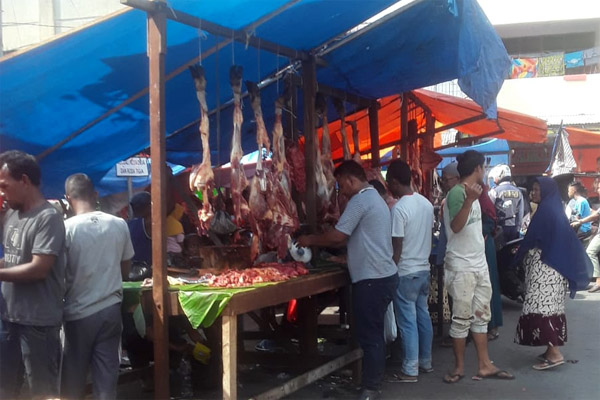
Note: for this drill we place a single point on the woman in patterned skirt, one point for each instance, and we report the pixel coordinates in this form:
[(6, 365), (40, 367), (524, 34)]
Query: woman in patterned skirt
[(554, 259)]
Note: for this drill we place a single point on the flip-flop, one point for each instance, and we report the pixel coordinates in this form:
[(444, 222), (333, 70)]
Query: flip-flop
[(425, 370), (547, 364), (452, 378), (541, 357), (500, 374), (492, 336)]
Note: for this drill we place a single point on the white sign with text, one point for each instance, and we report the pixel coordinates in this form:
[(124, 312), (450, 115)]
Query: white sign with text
[(135, 166)]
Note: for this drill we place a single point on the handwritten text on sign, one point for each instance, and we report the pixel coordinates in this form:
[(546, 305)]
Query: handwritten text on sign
[(135, 166)]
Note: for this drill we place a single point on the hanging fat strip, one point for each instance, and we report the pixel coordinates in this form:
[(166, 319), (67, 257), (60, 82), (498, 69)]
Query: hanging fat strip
[(202, 177), (238, 177)]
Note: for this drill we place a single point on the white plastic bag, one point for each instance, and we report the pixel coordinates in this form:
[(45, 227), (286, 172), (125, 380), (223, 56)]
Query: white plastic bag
[(390, 330)]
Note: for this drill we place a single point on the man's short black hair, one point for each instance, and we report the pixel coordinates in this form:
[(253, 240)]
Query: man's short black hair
[(468, 162), (350, 168), (19, 163), (579, 188), (400, 171), (140, 202), (80, 187), (378, 186)]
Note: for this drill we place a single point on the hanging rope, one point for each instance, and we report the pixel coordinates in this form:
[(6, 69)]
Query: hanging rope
[(218, 106)]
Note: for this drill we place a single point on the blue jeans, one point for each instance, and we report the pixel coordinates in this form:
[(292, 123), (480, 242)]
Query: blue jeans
[(414, 322), (33, 350), (370, 300)]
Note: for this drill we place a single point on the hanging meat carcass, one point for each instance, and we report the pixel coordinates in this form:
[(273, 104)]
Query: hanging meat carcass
[(273, 213), (330, 210), (372, 173), (285, 215), (261, 187), (202, 177), (341, 110), (238, 177)]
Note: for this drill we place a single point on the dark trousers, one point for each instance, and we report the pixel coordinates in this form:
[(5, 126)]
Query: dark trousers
[(33, 351), (370, 300), (92, 342)]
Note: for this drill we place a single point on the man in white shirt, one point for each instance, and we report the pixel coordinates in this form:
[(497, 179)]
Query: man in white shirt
[(412, 224), (99, 251)]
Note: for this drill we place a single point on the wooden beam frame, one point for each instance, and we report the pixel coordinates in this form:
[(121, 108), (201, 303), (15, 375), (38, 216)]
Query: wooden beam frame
[(174, 73), (311, 376), (469, 139), (460, 123), (157, 47), (241, 36), (309, 88), (374, 132)]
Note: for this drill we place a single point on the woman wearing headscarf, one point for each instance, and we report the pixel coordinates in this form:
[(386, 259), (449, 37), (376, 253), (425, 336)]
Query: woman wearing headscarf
[(488, 222), (554, 259)]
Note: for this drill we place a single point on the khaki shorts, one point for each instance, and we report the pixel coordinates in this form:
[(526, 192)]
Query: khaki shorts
[(471, 293)]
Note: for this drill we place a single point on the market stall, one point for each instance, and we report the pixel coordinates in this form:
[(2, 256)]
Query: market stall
[(343, 54)]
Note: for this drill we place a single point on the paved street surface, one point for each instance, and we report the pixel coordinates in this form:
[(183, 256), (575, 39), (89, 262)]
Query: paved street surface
[(578, 379)]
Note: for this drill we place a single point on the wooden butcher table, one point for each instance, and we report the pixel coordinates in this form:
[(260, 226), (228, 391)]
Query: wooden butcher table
[(267, 296)]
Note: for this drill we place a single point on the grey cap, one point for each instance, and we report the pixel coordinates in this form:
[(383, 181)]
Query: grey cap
[(451, 170)]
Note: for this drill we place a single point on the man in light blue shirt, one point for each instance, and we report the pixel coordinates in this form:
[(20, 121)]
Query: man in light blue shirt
[(365, 228), (581, 208)]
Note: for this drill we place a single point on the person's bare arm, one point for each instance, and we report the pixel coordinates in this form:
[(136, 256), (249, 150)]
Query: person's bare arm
[(125, 269), (397, 243), (333, 238), (460, 220), (36, 270), (593, 216)]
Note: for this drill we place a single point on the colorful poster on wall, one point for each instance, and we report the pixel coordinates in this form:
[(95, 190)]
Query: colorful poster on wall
[(523, 68), (574, 60), (552, 65)]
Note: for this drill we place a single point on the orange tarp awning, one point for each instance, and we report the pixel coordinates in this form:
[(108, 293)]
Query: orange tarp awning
[(446, 110), (581, 137), (586, 149), (517, 127)]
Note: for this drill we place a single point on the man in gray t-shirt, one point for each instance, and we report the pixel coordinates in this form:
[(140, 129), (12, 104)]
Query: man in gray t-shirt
[(99, 251), (32, 274), (365, 228)]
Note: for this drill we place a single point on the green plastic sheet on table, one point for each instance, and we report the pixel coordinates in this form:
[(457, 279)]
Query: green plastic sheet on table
[(201, 304)]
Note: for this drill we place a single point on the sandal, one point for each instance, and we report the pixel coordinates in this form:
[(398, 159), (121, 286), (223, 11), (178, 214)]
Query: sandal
[(403, 378), (492, 336), (547, 364), (500, 374), (452, 378)]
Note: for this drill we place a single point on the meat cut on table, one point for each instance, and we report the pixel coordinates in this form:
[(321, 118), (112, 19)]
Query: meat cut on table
[(262, 273)]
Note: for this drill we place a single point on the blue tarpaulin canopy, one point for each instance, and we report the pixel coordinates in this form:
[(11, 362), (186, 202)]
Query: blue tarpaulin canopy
[(88, 90)]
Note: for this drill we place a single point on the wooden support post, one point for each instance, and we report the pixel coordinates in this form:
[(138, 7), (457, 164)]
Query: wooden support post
[(229, 346), (311, 376), (374, 131), (309, 88), (404, 128), (308, 338), (157, 46)]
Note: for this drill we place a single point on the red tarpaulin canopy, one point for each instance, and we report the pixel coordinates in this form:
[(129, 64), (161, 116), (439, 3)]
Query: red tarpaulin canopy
[(450, 109), (446, 110), (586, 148)]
